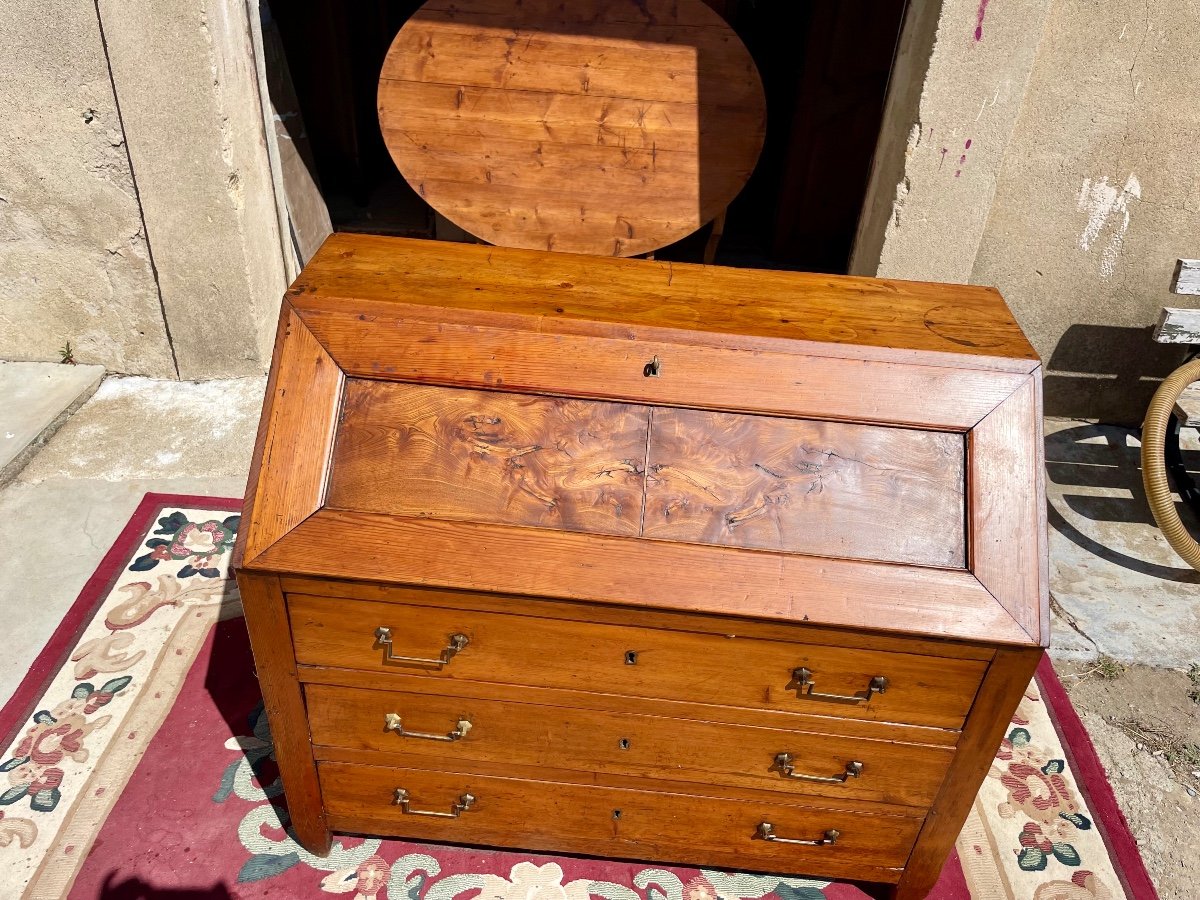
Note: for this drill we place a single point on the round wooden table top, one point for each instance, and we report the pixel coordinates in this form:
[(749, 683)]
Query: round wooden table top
[(610, 127)]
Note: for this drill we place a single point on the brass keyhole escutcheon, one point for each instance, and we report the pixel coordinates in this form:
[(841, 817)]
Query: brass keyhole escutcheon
[(631, 657), (651, 369)]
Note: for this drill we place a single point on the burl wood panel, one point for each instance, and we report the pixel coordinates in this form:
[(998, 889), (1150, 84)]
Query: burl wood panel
[(610, 127), (413, 450), (822, 488)]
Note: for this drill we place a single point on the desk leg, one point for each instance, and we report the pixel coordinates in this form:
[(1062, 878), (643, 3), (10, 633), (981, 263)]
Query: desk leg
[(275, 663), (1003, 687)]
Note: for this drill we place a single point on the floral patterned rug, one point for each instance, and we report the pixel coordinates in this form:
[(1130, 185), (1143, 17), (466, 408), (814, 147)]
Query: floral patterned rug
[(139, 764)]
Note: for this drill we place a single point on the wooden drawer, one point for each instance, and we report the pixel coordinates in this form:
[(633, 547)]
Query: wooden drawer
[(615, 822), (588, 741), (634, 661)]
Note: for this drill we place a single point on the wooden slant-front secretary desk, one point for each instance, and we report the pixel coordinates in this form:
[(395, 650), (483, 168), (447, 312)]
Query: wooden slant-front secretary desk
[(719, 567)]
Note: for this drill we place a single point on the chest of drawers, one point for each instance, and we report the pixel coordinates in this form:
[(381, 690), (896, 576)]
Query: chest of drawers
[(718, 567)]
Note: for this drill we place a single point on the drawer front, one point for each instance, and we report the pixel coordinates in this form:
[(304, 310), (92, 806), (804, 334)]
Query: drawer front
[(527, 734), (642, 662), (611, 822)]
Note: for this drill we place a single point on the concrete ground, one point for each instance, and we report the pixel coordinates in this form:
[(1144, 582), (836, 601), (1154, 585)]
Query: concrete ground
[(1127, 610), (66, 507)]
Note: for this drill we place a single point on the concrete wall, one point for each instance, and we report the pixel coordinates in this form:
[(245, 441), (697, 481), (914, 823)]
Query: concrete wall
[(952, 105), (140, 221), (74, 262), (1099, 193), (1050, 152)]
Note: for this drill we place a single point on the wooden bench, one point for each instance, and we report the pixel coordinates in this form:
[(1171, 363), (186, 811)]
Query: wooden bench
[(1182, 326)]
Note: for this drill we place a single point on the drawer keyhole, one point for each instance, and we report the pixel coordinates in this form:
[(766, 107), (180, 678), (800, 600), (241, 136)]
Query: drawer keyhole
[(631, 657), (623, 743)]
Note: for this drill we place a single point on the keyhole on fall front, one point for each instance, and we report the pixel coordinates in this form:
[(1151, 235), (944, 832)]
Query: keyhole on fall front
[(631, 657), (623, 743)]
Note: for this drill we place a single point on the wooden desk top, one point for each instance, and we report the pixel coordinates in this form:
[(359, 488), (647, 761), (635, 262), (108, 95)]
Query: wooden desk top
[(608, 127), (965, 325)]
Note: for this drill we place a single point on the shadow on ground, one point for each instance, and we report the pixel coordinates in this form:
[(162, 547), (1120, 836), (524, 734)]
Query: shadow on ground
[(1095, 472)]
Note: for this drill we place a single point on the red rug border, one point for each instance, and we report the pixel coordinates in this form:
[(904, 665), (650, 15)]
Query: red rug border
[(1092, 779), (16, 712)]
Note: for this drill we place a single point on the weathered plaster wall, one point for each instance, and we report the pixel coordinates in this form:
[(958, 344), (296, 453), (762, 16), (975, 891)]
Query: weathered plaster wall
[(185, 76), (74, 264), (950, 115), (1050, 151), (137, 214), (1099, 193)]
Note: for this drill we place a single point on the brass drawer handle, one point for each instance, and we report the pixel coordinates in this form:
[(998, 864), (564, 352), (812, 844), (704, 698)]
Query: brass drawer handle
[(766, 831), (805, 684), (383, 636), (787, 770), (392, 722), (402, 800)]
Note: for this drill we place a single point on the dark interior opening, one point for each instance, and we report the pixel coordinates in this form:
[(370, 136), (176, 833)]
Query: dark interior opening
[(825, 66)]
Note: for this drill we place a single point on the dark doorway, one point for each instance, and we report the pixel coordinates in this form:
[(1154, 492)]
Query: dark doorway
[(825, 66)]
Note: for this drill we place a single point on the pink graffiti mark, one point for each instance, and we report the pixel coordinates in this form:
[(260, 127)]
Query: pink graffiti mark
[(983, 5), (962, 160)]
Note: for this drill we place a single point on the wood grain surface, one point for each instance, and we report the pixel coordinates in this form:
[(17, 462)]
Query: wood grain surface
[(611, 127), (516, 732), (295, 437), (622, 703), (583, 656), (909, 322), (617, 823), (375, 340), (671, 620), (822, 488), (1008, 509), (283, 702), (489, 457), (1006, 681), (697, 578), (747, 481)]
